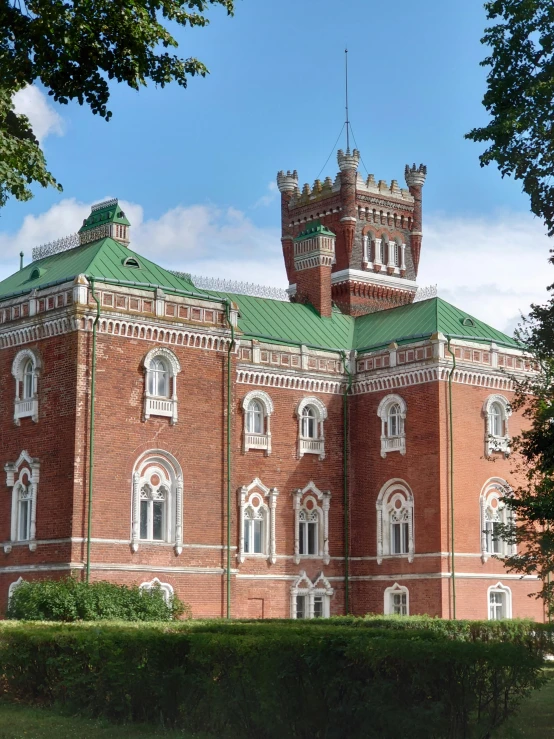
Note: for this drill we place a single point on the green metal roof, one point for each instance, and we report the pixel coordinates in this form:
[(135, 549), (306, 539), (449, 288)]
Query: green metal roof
[(314, 228), (107, 212), (422, 319), (102, 260)]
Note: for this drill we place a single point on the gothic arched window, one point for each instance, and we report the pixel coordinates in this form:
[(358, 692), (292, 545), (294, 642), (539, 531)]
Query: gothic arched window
[(311, 523), (392, 412), (497, 410), (311, 413), (257, 521), (395, 521), (494, 515), (23, 477), (161, 368), (26, 369), (258, 408)]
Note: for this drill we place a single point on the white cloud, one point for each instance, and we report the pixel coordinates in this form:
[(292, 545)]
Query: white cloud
[(45, 120), (491, 267), (269, 197)]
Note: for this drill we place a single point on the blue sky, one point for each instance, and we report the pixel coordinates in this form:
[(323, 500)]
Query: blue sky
[(197, 166)]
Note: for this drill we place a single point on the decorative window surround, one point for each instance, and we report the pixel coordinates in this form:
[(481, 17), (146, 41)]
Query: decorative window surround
[(164, 402), (311, 413), (165, 587), (397, 600), (497, 410), (395, 521), (23, 477), (392, 412), (312, 503), (153, 470), (13, 587), (26, 369), (311, 599), (252, 499), (257, 438), (493, 511), (499, 602)]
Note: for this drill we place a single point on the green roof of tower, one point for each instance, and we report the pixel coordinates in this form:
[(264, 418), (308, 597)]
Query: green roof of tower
[(314, 228), (108, 211)]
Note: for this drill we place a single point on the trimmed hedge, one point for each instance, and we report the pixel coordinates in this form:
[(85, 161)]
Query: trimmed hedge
[(69, 599), (269, 681)]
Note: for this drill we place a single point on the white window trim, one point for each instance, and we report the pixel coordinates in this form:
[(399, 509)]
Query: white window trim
[(166, 407), (174, 506), (13, 586), (165, 587), (247, 496), (304, 586), (25, 407), (312, 446), (28, 467), (392, 443), (500, 588), (497, 443), (493, 488), (321, 501), (394, 589), (258, 441), (388, 493)]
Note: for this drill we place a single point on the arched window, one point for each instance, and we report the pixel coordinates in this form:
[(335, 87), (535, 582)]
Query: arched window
[(311, 599), (26, 369), (161, 368), (499, 599), (257, 407), (257, 521), (494, 514), (392, 412), (311, 523), (395, 521), (157, 514), (497, 410), (311, 413), (397, 601), (165, 587), (23, 477)]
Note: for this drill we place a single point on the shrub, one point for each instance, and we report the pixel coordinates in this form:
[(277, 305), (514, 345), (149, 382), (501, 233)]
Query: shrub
[(70, 599), (273, 680)]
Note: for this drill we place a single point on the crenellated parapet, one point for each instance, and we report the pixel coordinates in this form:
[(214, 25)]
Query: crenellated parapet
[(415, 176), (347, 160), (287, 182)]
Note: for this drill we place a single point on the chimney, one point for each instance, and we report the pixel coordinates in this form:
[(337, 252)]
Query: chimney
[(314, 254)]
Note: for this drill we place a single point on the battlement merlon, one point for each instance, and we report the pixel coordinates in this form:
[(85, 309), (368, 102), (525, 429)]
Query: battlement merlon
[(415, 176), (348, 160), (287, 182)]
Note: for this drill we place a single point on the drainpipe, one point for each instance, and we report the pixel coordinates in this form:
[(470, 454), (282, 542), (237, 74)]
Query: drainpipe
[(91, 431), (345, 457), (229, 453), (451, 426)]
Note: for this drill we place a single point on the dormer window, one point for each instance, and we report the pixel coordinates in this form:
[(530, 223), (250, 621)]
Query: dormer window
[(26, 369), (160, 395), (257, 407), (130, 261)]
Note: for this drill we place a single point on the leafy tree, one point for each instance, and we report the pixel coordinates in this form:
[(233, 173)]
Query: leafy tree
[(74, 48), (520, 98)]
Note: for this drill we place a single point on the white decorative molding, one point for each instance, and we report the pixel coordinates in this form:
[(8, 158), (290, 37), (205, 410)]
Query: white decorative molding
[(392, 439), (395, 506), (507, 598), (252, 439), (165, 587), (24, 499), (13, 587), (493, 511), (252, 499), (26, 399), (311, 384), (495, 442), (311, 443), (313, 502), (168, 473), (373, 278), (396, 589), (161, 406), (305, 588)]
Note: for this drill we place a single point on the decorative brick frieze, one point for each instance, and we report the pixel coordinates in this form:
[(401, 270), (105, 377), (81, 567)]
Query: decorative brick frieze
[(290, 382)]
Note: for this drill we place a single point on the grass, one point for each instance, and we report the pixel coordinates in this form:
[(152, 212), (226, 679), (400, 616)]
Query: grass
[(535, 720)]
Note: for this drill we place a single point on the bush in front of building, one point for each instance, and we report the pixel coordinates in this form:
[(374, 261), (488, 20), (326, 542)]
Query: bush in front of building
[(69, 599), (271, 681)]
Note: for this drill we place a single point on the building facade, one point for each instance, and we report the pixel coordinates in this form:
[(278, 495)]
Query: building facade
[(261, 457)]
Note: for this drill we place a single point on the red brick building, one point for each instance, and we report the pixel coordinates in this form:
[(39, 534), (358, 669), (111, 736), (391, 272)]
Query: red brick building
[(256, 456)]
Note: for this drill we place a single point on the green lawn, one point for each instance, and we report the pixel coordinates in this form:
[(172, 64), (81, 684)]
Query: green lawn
[(536, 718)]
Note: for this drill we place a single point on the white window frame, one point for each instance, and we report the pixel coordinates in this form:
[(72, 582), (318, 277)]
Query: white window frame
[(394, 492), (263, 440), (166, 406), (23, 473), (311, 499), (161, 463), (389, 443), (309, 590), (309, 445), (489, 502), (165, 587), (26, 407), (507, 593), (254, 496), (396, 589), (496, 443)]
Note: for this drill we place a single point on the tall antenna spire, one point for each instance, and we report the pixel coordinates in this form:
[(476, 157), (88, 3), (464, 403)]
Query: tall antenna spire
[(346, 106)]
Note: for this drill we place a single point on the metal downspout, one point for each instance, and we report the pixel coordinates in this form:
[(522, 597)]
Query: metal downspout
[(229, 455), (91, 431), (346, 487), (451, 426)]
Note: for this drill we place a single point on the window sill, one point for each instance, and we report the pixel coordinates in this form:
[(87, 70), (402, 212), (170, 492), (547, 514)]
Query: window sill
[(257, 441), (26, 409), (164, 407), (393, 444), (312, 446)]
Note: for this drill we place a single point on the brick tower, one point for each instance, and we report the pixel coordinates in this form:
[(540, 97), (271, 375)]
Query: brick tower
[(378, 229)]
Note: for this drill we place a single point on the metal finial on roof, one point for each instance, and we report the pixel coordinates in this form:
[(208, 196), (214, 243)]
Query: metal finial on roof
[(55, 247), (424, 293), (346, 106)]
